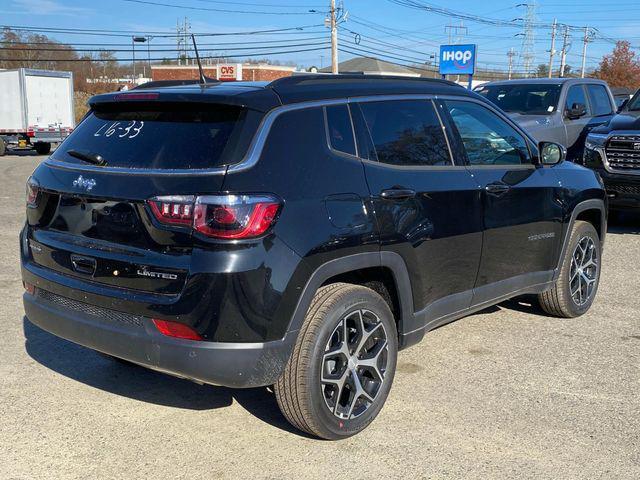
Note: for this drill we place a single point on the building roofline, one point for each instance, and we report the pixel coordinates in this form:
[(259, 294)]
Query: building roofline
[(254, 66)]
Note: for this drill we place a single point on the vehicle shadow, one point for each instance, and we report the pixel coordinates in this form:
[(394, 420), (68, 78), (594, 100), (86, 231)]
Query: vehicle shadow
[(524, 304), (139, 383), (24, 153), (624, 223)]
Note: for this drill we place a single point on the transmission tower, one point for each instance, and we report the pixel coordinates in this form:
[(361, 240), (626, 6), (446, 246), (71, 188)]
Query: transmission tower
[(528, 37), (182, 41)]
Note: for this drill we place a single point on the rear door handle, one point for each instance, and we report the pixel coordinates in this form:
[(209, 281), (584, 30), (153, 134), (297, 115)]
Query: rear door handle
[(398, 194), (497, 188)]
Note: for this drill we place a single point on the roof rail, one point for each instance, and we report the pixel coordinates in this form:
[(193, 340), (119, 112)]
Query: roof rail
[(351, 77)]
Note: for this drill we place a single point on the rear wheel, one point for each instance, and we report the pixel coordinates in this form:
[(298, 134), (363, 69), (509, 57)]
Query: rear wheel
[(42, 148), (342, 367), (577, 284)]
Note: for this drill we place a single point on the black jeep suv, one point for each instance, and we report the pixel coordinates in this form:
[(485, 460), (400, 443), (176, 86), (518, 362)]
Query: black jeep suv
[(300, 233), (613, 150)]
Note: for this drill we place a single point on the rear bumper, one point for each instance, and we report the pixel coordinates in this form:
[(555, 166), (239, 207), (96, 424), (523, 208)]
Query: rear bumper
[(136, 339)]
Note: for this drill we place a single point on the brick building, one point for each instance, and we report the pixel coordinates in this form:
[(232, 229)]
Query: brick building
[(229, 72)]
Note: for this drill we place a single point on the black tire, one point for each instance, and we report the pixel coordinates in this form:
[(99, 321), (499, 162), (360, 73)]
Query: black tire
[(42, 148), (3, 148), (301, 394), (559, 300)]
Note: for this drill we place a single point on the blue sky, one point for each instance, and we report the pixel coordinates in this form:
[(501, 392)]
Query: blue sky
[(378, 25)]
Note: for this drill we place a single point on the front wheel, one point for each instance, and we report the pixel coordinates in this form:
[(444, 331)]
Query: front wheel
[(576, 286), (342, 366)]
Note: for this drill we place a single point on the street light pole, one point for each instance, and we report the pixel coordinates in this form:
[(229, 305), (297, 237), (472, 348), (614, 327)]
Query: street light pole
[(135, 40)]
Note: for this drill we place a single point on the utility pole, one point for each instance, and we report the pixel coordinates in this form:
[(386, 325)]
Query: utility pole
[(334, 38), (586, 40), (552, 52), (511, 53), (565, 47)]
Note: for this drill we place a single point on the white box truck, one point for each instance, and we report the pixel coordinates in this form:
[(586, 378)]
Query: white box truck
[(36, 109)]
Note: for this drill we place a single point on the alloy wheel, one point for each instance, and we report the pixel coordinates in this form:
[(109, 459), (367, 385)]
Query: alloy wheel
[(584, 271), (354, 364)]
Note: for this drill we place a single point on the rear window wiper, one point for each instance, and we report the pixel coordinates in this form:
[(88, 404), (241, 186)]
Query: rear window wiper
[(89, 157)]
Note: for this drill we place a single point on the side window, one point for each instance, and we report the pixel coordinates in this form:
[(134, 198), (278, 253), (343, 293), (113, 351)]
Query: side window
[(487, 139), (406, 132), (576, 95), (600, 102), (339, 129)]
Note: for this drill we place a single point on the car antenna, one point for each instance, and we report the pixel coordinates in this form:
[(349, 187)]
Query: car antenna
[(203, 79)]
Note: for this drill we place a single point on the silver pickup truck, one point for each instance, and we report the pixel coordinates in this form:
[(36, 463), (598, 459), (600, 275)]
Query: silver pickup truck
[(561, 110)]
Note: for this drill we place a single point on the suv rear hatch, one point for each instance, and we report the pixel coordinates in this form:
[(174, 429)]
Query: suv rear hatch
[(91, 215)]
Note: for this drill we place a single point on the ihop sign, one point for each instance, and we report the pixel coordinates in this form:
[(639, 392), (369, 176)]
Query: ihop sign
[(457, 59)]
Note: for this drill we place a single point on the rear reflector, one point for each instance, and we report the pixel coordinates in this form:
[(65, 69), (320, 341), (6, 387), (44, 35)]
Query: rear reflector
[(176, 330), (33, 193), (31, 289)]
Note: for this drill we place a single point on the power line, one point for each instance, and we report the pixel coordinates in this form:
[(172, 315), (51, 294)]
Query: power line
[(128, 33), (153, 50), (218, 10)]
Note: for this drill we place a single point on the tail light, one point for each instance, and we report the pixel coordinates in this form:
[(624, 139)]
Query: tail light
[(31, 132), (173, 210), (33, 193), (219, 216), (176, 330)]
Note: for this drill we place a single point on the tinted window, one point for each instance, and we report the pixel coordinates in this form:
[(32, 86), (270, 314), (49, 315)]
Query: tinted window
[(406, 132), (576, 95), (340, 130), (163, 136), (600, 102), (487, 139), (530, 99)]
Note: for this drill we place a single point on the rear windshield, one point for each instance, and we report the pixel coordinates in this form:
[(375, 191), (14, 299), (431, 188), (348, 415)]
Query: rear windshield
[(163, 136), (528, 99)]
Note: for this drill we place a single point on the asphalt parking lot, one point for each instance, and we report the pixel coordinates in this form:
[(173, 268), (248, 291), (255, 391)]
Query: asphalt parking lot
[(506, 393)]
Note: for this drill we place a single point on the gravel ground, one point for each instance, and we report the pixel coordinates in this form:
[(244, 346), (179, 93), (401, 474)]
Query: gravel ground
[(506, 393)]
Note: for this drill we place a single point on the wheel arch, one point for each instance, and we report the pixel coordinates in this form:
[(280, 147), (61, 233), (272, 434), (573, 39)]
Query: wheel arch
[(359, 268), (593, 211)]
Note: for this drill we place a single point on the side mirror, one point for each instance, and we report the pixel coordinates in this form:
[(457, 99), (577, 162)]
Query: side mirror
[(622, 105), (576, 111), (551, 153)]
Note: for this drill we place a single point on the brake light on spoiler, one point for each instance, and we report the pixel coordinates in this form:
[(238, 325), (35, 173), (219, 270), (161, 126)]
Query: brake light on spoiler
[(231, 217)]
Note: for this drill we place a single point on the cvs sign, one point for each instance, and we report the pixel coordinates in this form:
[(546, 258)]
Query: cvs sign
[(229, 72), (457, 59)]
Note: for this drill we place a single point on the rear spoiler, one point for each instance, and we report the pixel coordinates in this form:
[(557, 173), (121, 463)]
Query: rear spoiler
[(261, 99), (173, 83)]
